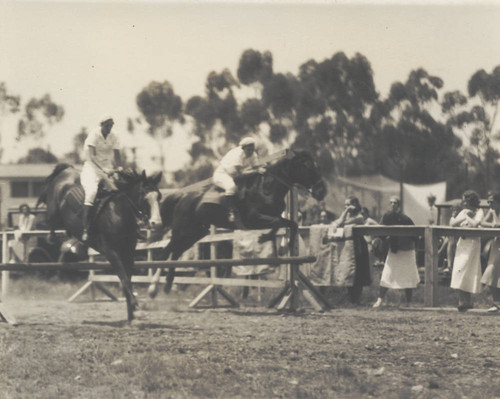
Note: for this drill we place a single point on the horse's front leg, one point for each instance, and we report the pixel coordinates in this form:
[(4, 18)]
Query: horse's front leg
[(125, 279), (275, 223)]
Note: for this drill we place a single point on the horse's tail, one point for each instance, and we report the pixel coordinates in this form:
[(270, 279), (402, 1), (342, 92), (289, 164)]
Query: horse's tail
[(42, 199)]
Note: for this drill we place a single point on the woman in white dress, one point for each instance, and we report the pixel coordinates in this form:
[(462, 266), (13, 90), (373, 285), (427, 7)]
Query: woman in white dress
[(400, 269), (466, 275), (491, 276), (26, 223)]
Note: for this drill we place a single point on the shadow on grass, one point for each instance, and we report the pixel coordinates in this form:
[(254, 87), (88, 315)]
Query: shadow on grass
[(136, 324)]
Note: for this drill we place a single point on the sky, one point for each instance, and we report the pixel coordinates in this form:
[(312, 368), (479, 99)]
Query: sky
[(93, 58)]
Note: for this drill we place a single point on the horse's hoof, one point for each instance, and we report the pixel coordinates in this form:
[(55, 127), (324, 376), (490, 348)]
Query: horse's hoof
[(153, 291), (167, 289), (139, 315)]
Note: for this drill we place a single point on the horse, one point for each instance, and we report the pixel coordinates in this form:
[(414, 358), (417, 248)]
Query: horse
[(114, 227), (260, 201)]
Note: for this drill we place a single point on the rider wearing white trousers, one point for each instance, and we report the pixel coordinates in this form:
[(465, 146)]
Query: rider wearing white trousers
[(232, 165), (102, 154)]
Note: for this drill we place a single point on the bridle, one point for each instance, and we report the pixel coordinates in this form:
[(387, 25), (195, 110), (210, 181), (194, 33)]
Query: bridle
[(290, 185), (138, 213)]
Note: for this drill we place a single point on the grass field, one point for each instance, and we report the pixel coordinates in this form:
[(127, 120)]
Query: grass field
[(87, 350)]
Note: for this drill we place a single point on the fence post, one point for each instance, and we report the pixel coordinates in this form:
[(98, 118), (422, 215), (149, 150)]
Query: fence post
[(431, 263), (294, 249), (5, 259), (149, 254), (213, 269)]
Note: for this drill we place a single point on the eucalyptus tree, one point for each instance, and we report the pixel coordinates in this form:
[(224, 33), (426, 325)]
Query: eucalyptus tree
[(480, 119), (413, 144), (9, 104), (161, 107), (38, 115), (217, 125), (333, 103), (38, 155)]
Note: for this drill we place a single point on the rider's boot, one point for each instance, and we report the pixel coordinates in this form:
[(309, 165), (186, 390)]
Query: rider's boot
[(233, 212), (86, 222)]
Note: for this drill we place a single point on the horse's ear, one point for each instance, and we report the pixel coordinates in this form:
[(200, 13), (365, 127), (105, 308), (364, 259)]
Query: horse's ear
[(143, 175), (156, 178)]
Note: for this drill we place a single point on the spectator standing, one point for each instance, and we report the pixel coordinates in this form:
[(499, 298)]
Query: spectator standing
[(466, 275), (353, 266), (400, 267), (26, 223), (491, 276)]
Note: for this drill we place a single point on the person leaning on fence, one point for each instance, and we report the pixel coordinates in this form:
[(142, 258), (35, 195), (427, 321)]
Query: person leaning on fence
[(466, 275), (400, 267), (102, 155), (354, 259), (449, 244), (26, 223), (491, 276), (369, 239)]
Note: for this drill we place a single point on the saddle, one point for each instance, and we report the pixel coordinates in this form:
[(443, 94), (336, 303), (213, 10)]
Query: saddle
[(75, 196), (214, 195)]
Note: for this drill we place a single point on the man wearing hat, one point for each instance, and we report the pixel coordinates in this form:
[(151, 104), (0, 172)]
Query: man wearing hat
[(102, 155), (232, 165)]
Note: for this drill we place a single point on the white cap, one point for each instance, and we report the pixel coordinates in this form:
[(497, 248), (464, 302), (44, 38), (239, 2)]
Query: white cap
[(247, 141), (105, 117)]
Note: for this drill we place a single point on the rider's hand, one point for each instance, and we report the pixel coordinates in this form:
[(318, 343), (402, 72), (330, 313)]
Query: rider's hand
[(261, 170)]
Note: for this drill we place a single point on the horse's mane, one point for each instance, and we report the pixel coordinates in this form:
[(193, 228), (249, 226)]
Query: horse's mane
[(127, 178), (42, 199)]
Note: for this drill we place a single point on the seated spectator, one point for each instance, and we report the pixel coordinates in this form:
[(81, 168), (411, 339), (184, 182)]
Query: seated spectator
[(400, 268), (491, 276), (466, 275), (17, 245)]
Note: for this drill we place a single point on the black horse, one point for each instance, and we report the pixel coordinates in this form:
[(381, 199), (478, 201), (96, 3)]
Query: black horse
[(114, 229), (261, 202)]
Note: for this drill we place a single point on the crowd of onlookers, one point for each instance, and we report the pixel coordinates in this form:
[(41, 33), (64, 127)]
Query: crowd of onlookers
[(469, 275)]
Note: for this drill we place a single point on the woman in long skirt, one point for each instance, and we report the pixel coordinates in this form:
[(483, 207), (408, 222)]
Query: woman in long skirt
[(491, 276), (400, 269), (466, 275)]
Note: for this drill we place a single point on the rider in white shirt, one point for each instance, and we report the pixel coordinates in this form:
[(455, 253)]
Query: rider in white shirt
[(232, 165), (102, 155)]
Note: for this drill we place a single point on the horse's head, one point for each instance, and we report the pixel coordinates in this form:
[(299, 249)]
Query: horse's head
[(304, 171), (144, 193)]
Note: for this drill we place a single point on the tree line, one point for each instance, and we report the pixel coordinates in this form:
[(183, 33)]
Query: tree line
[(417, 133)]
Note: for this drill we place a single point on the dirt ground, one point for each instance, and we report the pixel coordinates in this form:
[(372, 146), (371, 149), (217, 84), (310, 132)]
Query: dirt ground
[(87, 350)]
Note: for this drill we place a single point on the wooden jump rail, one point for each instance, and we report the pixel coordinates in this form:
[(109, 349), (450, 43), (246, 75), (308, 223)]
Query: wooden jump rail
[(160, 264)]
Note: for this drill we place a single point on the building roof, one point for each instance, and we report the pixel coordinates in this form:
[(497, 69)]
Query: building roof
[(40, 170)]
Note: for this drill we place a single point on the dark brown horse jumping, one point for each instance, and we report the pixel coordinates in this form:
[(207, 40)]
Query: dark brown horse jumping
[(261, 202), (114, 230)]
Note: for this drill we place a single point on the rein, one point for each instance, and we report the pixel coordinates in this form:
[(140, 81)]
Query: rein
[(289, 184), (139, 214)]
